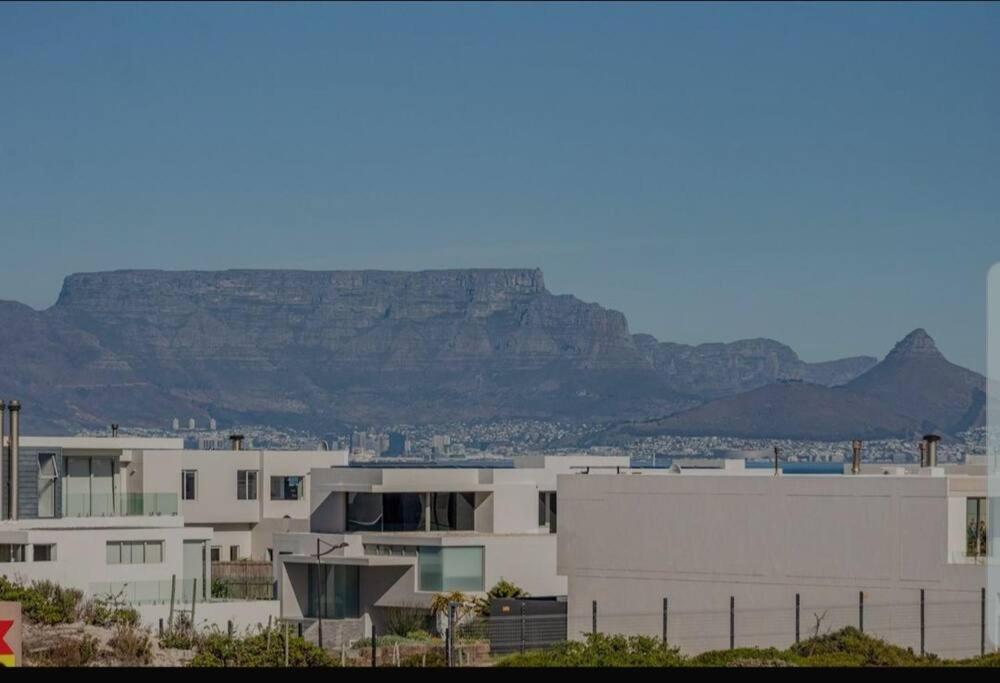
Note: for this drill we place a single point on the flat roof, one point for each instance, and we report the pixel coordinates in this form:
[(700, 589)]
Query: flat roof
[(102, 443)]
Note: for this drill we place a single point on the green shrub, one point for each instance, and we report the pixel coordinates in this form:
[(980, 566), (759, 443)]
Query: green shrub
[(109, 610), (851, 647), (435, 657), (43, 602), (744, 656), (218, 649), (179, 635), (600, 650), (402, 620)]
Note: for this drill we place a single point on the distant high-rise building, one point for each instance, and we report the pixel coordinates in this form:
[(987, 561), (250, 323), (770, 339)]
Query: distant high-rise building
[(211, 424), (190, 423), (176, 424), (397, 445), (359, 441)]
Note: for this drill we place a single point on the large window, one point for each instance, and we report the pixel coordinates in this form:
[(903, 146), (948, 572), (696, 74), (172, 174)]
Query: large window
[(47, 484), (134, 552), (450, 569), (449, 511), (453, 512), (547, 510), (12, 552), (286, 488), (43, 552), (246, 485), (340, 591), (189, 484), (977, 534)]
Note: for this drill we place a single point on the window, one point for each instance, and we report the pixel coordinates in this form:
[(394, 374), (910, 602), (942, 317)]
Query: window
[(216, 553), (286, 488), (134, 552), (234, 553), (403, 512), (453, 512), (450, 568), (547, 510), (43, 552), (246, 485), (393, 511), (340, 591), (364, 512), (12, 552), (976, 527), (189, 484), (46, 484)]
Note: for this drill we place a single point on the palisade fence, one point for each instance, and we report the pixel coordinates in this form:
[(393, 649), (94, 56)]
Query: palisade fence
[(243, 580), (953, 628)]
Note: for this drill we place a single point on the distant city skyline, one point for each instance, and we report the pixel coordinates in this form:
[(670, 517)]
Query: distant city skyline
[(820, 174)]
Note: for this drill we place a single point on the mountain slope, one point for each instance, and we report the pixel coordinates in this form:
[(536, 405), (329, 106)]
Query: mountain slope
[(913, 390), (917, 380)]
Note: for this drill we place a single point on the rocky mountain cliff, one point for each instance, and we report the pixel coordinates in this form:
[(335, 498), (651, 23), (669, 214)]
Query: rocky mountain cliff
[(324, 349)]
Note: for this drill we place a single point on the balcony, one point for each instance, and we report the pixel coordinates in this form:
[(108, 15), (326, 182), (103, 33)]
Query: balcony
[(120, 505)]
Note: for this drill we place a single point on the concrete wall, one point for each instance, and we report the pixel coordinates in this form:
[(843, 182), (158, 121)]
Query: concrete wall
[(216, 501), (628, 541)]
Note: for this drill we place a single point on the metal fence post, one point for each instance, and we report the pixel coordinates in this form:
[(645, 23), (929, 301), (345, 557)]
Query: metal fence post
[(593, 618), (665, 605), (982, 622), (161, 627), (300, 629), (522, 627), (922, 622), (798, 609), (374, 646), (451, 633), (861, 611), (732, 622)]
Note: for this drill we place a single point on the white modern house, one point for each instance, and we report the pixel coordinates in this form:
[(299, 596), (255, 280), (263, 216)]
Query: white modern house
[(395, 537), (745, 557), (126, 514)]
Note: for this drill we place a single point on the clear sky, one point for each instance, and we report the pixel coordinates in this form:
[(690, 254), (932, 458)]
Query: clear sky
[(822, 174)]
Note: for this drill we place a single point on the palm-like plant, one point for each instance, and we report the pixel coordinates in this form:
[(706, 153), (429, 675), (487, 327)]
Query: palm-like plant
[(502, 589)]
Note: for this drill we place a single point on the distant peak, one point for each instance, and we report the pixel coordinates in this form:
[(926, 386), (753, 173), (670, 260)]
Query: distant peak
[(916, 343)]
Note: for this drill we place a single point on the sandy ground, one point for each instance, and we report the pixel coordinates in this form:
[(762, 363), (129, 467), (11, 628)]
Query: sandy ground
[(37, 638)]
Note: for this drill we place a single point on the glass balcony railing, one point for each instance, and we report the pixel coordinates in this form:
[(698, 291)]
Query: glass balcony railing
[(149, 592), (119, 505)]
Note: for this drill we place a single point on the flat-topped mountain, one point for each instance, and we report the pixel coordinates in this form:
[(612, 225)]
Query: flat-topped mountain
[(325, 349)]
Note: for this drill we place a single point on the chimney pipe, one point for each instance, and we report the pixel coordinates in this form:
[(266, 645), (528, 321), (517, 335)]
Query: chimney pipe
[(777, 452), (931, 449), (114, 429), (236, 442), (923, 454), (15, 437), (3, 466), (856, 459)]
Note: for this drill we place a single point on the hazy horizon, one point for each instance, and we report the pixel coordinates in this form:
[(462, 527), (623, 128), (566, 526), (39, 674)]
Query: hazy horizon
[(822, 175)]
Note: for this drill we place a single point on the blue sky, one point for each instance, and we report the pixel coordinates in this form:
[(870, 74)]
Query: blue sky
[(822, 174)]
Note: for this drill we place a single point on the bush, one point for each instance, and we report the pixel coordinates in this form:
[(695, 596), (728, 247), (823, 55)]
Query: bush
[(131, 645), (218, 649), (180, 635), (108, 611), (72, 652), (400, 621), (600, 650), (744, 656), (220, 588), (43, 602), (851, 647), (432, 658), (502, 589)]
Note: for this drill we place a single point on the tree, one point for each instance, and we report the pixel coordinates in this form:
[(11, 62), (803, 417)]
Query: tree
[(502, 589)]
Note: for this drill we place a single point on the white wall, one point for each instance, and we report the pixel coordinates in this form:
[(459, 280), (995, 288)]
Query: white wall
[(245, 614)]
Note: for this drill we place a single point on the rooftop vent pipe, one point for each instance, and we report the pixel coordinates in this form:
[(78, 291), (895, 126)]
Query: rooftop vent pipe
[(236, 442), (114, 429), (856, 459), (930, 450), (15, 442)]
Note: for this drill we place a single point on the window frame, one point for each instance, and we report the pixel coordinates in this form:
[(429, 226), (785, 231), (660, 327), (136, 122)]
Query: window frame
[(244, 489), (283, 489), (194, 484)]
